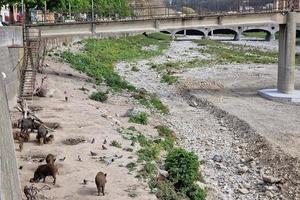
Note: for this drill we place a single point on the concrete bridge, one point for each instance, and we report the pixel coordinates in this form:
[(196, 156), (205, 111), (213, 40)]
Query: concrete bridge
[(270, 22), (56, 34)]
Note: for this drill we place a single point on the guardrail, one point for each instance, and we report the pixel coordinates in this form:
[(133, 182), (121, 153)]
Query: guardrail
[(214, 7)]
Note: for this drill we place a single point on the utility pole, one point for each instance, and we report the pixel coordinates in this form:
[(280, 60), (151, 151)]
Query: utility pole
[(70, 10), (45, 12), (93, 14)]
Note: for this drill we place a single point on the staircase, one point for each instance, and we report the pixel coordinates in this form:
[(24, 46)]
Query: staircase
[(31, 41)]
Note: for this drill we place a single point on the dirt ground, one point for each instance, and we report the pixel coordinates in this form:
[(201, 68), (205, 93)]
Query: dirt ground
[(81, 117)]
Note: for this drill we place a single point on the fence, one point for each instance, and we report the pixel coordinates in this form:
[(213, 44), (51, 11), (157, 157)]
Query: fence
[(186, 9)]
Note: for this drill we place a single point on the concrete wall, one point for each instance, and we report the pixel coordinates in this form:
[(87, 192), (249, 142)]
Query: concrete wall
[(11, 60), (11, 35), (10, 187)]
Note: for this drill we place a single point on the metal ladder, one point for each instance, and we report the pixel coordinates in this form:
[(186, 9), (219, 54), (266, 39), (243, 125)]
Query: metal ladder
[(31, 42)]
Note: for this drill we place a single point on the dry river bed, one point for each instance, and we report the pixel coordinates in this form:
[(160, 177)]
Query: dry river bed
[(249, 145)]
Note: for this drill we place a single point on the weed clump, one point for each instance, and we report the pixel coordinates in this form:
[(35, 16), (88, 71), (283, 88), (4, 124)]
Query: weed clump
[(99, 96), (140, 118), (166, 78), (115, 143)]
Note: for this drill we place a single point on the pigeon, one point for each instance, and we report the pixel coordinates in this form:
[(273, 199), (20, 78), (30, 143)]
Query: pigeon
[(93, 153), (93, 141), (104, 142), (84, 182), (66, 98), (21, 167), (145, 34), (104, 148), (79, 158), (62, 159)]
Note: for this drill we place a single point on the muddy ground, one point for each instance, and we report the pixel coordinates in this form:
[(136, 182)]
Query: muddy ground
[(249, 145)]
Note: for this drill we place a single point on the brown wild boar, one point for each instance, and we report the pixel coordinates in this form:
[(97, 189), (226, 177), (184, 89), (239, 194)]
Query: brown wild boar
[(21, 145), (42, 134), (26, 124), (50, 159), (43, 171), (50, 139), (100, 181)]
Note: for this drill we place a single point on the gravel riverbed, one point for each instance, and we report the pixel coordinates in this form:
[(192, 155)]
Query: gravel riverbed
[(228, 171)]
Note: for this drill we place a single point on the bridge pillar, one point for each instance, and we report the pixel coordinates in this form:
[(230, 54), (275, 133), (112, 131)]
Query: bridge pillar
[(287, 52), (184, 32), (237, 37), (286, 64), (270, 37)]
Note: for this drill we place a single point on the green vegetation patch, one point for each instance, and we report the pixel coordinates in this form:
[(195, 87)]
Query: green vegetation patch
[(99, 56), (115, 143), (150, 101), (166, 78), (99, 96), (221, 53), (140, 118)]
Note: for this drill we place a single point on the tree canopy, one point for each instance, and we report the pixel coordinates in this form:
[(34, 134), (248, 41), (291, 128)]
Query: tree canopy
[(102, 7)]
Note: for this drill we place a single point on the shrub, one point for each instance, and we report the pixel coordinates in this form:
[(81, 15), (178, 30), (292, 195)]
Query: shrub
[(149, 153), (165, 190), (165, 132), (140, 118), (99, 96), (196, 193), (182, 166), (165, 143), (115, 143), (150, 168)]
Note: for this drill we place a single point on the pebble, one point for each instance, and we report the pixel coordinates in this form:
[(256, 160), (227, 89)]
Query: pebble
[(270, 179), (217, 158), (242, 169), (243, 190)]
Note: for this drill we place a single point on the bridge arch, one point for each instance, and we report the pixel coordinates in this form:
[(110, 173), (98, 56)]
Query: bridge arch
[(166, 32), (190, 32), (269, 33), (223, 31)]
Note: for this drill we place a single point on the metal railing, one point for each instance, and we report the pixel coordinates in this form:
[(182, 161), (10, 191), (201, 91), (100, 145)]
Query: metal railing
[(186, 9)]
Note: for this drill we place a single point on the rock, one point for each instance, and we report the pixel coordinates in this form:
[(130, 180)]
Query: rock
[(193, 104), (223, 128), (135, 111), (243, 190), (241, 169), (220, 166), (217, 158), (162, 174), (154, 190), (270, 179), (104, 115), (270, 194), (201, 185), (122, 165)]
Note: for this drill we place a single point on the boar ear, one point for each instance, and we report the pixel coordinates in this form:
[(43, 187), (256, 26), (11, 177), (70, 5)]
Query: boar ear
[(105, 175)]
